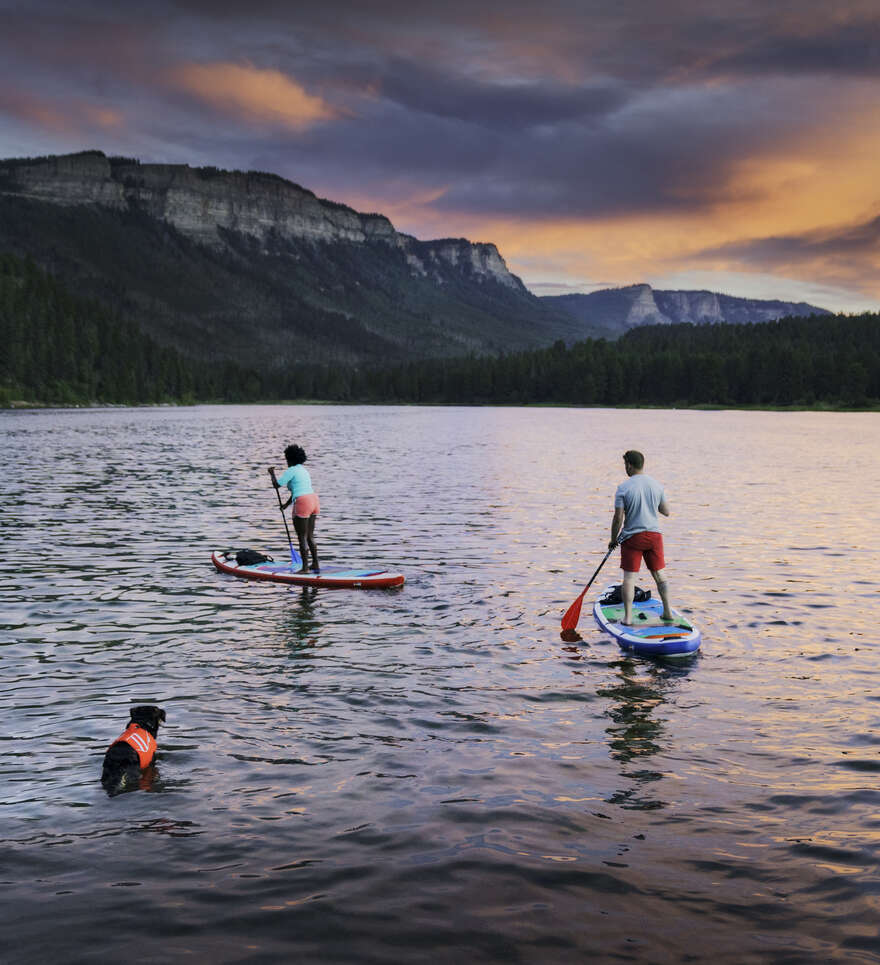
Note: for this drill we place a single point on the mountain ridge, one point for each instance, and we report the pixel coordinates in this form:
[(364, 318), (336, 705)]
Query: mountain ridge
[(255, 268), (251, 267), (203, 202)]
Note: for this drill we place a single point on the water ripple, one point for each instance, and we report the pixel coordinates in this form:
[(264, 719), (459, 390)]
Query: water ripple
[(428, 774)]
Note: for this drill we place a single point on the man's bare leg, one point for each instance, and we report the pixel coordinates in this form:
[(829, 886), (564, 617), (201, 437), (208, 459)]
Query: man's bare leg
[(663, 590), (628, 590)]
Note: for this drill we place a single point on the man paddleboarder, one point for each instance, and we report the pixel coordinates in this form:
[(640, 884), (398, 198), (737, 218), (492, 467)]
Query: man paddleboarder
[(636, 504)]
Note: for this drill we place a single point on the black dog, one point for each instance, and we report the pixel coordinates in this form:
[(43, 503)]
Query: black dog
[(133, 750)]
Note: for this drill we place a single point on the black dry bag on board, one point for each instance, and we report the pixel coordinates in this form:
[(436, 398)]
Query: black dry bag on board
[(250, 558), (615, 595)]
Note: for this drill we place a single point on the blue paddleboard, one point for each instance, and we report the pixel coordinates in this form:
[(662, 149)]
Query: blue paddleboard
[(649, 636)]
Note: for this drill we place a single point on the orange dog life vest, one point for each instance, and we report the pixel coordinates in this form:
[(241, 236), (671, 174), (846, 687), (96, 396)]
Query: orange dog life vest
[(141, 741)]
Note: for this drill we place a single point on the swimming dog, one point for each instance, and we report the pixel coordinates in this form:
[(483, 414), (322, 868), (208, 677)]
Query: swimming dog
[(133, 750)]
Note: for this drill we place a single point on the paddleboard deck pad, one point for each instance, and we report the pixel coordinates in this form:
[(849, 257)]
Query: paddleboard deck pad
[(649, 635), (364, 578)]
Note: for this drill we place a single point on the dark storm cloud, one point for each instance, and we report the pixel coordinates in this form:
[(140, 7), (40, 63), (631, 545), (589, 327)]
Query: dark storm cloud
[(565, 169), (673, 153), (626, 39), (854, 242), (844, 50), (516, 105), (78, 48)]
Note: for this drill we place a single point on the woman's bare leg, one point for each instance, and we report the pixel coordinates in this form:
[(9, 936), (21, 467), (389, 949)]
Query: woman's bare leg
[(316, 566), (301, 526)]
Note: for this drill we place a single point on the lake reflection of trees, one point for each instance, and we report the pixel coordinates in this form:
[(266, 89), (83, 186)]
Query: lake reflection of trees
[(638, 729)]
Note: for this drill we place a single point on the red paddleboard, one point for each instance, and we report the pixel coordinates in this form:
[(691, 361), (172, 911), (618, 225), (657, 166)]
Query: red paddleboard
[(364, 578)]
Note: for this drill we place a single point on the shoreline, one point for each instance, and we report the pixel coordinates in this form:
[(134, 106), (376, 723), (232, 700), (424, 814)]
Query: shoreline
[(20, 405)]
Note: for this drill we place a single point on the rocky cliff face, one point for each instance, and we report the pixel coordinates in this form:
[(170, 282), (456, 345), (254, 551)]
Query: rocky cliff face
[(614, 311), (202, 203), (642, 308), (432, 259), (709, 308), (683, 306)]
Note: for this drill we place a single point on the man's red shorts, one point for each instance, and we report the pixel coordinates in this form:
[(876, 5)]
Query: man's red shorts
[(649, 545)]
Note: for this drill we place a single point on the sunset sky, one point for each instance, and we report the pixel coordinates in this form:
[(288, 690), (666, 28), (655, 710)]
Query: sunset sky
[(724, 145)]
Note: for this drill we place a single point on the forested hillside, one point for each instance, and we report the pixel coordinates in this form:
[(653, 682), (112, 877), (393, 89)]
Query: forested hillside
[(821, 360), (61, 349)]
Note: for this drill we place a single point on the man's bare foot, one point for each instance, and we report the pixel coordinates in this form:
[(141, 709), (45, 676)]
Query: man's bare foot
[(305, 569)]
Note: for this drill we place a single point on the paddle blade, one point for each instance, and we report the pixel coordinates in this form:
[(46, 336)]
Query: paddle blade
[(573, 613)]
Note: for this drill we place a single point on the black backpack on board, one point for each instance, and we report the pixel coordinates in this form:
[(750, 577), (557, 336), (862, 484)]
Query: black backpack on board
[(614, 595), (251, 557)]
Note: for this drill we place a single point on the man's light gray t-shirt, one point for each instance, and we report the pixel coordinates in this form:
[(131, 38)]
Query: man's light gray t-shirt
[(639, 495)]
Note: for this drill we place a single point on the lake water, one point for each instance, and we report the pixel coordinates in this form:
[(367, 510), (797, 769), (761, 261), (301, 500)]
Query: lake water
[(430, 774)]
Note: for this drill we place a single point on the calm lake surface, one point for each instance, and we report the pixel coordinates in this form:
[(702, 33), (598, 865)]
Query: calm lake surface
[(430, 774)]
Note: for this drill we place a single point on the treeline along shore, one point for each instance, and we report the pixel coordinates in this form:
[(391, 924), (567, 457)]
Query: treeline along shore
[(58, 349)]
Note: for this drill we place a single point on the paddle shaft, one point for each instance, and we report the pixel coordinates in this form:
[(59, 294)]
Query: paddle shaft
[(294, 556), (573, 613), (599, 567)]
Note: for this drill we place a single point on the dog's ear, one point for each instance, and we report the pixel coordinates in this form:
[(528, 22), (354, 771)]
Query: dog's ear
[(161, 715)]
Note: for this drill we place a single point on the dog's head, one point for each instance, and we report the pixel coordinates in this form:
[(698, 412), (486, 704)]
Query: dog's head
[(147, 716)]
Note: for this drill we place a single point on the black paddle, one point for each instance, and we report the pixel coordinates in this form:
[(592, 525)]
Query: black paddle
[(295, 559)]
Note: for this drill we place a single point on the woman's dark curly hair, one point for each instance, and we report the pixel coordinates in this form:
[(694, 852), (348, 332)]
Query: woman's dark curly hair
[(295, 455)]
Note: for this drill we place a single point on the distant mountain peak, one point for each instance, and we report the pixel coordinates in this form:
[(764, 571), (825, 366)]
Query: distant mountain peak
[(613, 311)]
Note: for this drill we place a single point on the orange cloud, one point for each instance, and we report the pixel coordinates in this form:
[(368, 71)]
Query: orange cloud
[(104, 117), (61, 117), (253, 94)]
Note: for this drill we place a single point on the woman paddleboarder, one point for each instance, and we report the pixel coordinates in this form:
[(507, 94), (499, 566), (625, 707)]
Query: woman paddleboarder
[(305, 504)]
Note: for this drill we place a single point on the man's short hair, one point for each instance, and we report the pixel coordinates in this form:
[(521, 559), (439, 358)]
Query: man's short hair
[(634, 458)]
